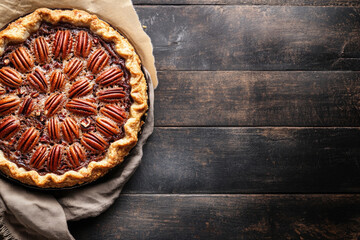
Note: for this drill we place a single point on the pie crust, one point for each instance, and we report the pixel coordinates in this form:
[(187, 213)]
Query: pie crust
[(18, 32)]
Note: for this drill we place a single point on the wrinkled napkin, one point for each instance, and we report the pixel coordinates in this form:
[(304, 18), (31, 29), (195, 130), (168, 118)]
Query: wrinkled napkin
[(26, 213)]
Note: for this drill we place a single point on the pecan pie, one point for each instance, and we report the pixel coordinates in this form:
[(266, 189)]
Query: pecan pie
[(72, 98)]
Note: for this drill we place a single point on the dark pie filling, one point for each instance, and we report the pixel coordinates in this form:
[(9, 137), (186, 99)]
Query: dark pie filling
[(116, 93)]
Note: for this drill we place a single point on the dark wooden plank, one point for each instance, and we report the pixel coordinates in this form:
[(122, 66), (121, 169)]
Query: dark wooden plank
[(225, 217), (253, 37), (249, 160), (251, 2), (259, 98)]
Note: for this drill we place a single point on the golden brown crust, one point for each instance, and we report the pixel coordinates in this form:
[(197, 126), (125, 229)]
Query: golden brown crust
[(19, 31)]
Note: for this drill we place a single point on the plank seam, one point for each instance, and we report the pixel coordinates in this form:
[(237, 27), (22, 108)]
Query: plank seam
[(243, 4), (286, 70), (262, 127), (249, 71), (240, 194)]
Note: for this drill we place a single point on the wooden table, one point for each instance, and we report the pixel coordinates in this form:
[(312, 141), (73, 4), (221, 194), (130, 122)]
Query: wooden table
[(256, 124)]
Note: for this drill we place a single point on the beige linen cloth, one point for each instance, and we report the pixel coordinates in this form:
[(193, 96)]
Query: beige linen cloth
[(32, 214)]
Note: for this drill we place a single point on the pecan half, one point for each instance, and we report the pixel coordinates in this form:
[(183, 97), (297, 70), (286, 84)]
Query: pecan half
[(107, 127), (80, 88), (111, 95), (76, 154), (114, 112), (98, 61), (28, 139), (70, 130), (8, 127), (53, 128), (54, 158), (110, 77), (73, 68), (57, 81), (22, 60), (41, 50), (83, 45), (10, 77), (62, 44), (38, 158), (27, 106), (53, 103), (81, 106), (8, 104), (94, 142), (38, 80)]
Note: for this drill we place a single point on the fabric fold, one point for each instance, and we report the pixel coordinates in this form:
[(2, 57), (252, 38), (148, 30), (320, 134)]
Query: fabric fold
[(31, 215)]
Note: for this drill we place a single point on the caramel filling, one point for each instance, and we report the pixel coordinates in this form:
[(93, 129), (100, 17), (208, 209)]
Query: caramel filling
[(64, 98)]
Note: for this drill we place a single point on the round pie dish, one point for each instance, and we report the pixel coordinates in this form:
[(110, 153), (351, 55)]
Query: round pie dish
[(72, 98)]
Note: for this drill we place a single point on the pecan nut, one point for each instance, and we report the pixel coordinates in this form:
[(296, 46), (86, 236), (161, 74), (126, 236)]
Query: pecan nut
[(53, 103), (115, 113), (73, 68), (38, 80), (27, 106), (83, 45), (62, 44), (80, 88), (70, 130), (22, 60), (98, 61), (107, 127), (57, 81), (28, 139), (94, 142), (111, 95), (76, 155), (10, 77), (110, 77), (41, 50), (81, 106), (54, 158), (53, 128), (8, 104), (8, 127), (38, 158)]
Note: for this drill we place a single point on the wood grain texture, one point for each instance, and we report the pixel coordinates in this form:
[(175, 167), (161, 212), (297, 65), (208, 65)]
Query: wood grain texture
[(249, 160), (226, 217), (253, 37), (250, 2), (230, 75), (257, 98)]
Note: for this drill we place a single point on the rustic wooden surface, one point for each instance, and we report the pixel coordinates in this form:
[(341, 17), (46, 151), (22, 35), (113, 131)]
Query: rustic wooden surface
[(258, 98), (162, 216), (257, 124)]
